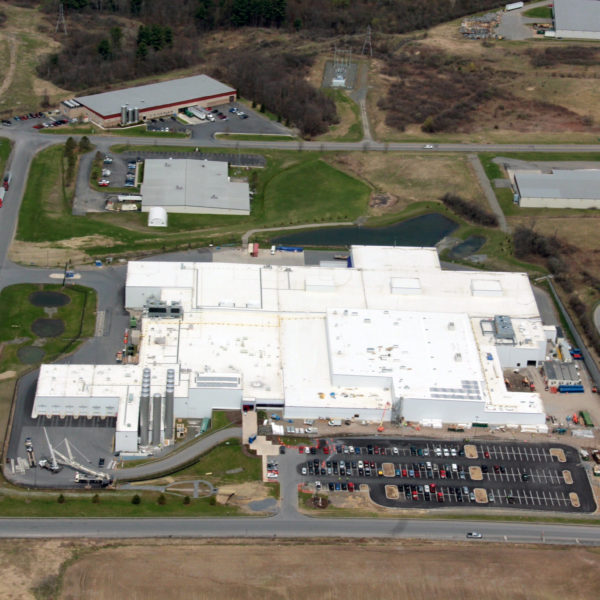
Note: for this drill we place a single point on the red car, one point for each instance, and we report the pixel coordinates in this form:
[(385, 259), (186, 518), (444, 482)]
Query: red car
[(432, 487), (440, 497), (442, 474), (486, 454), (350, 486), (404, 473), (103, 182), (326, 449), (300, 449)]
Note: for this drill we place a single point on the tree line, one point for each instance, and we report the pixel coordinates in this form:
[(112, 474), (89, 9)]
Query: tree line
[(338, 16)]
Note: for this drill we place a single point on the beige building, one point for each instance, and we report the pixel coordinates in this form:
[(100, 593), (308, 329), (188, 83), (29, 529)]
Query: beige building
[(138, 104)]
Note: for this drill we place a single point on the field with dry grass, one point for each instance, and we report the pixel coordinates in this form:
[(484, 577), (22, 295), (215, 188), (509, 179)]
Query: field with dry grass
[(278, 569), (411, 178)]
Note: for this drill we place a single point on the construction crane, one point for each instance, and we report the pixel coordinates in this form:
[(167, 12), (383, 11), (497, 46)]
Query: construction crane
[(69, 461), (51, 465), (381, 427)]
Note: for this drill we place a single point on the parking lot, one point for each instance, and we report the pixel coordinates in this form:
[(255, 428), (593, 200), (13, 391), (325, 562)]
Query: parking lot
[(436, 474)]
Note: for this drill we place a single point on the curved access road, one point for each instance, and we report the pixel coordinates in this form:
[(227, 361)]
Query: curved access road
[(300, 526), (178, 459)]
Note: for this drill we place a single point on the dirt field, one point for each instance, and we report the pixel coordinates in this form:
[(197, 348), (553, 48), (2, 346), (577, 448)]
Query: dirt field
[(409, 179), (286, 570)]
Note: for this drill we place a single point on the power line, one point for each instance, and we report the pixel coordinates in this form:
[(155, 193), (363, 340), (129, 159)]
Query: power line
[(367, 42)]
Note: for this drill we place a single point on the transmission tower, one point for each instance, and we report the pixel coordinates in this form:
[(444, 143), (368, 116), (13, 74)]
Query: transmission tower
[(367, 43), (61, 22)]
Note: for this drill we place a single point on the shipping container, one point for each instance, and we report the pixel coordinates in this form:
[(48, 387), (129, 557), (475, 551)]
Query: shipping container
[(290, 249), (514, 6), (586, 419), (255, 250), (570, 389)]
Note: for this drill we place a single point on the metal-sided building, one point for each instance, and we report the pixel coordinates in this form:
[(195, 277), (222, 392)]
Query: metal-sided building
[(578, 19), (559, 373), (193, 187), (577, 188), (140, 103)]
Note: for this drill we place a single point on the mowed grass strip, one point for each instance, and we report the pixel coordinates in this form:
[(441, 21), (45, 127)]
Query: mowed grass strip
[(5, 148), (111, 504), (314, 191)]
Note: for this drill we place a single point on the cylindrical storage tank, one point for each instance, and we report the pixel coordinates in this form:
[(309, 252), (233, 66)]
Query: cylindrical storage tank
[(156, 419), (130, 115), (169, 406), (124, 115), (145, 415), (136, 114)]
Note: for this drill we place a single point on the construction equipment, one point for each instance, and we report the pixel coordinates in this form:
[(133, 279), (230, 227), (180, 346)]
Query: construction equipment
[(381, 427)]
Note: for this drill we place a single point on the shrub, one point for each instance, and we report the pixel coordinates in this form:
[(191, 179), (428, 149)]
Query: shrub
[(136, 499), (162, 500), (469, 210), (95, 499), (61, 499), (187, 500), (213, 500)]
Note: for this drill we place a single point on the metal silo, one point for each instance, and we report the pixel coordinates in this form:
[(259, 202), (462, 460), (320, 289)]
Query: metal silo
[(156, 419), (124, 115)]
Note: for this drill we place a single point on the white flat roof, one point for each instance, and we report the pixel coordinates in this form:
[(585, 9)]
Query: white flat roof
[(187, 183), (424, 355), (314, 289)]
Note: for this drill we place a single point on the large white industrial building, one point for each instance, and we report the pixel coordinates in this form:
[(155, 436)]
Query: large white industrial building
[(561, 188), (193, 187), (393, 336)]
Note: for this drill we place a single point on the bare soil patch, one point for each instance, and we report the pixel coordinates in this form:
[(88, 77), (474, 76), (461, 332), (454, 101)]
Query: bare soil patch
[(559, 453), (574, 498), (471, 451), (388, 469), (391, 492), (567, 477), (284, 570), (49, 254), (241, 494), (475, 473), (481, 496)]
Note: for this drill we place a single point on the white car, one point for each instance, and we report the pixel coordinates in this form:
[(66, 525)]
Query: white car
[(303, 470), (351, 449), (428, 147), (105, 172), (474, 535), (396, 451)]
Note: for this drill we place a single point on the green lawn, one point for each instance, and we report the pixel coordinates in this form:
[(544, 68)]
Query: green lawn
[(219, 460), (111, 504), (345, 106), (18, 313), (314, 191), (5, 148), (539, 12)]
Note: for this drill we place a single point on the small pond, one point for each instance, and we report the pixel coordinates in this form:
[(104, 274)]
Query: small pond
[(426, 230), (30, 355), (46, 328), (49, 299)]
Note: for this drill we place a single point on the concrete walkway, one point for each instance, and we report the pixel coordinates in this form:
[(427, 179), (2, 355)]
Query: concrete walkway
[(489, 192), (251, 232)]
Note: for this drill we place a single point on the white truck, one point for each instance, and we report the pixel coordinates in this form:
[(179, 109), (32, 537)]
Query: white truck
[(335, 423)]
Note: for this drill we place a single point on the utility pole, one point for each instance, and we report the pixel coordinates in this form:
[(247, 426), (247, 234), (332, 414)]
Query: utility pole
[(61, 22), (367, 43)]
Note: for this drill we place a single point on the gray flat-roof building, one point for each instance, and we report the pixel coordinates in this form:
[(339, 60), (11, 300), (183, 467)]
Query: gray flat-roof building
[(577, 188), (143, 102), (560, 373), (577, 19), (193, 186)]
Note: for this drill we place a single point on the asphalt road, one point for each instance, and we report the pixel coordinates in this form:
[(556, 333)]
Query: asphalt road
[(299, 526)]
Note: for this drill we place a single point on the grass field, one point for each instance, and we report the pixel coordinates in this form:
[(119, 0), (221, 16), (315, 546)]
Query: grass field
[(350, 128), (539, 12), (18, 313), (5, 148), (284, 569), (281, 198), (213, 465)]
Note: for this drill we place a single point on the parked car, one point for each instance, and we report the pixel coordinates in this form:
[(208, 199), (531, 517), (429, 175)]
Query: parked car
[(103, 182), (474, 535)]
